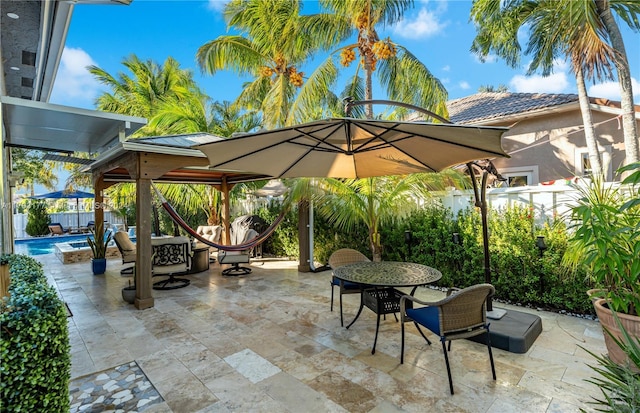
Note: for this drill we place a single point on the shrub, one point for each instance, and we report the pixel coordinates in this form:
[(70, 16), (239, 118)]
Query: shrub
[(34, 350), (37, 218)]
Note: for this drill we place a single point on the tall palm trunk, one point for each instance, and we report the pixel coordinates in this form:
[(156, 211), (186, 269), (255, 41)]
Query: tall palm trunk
[(368, 90), (624, 79), (587, 120)]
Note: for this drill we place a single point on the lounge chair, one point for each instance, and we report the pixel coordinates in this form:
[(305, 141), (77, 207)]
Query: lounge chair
[(241, 233), (127, 249), (56, 228), (171, 256)]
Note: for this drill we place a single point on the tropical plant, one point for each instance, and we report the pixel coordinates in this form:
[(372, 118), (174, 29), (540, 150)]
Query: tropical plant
[(405, 78), (33, 168), (38, 219), (627, 11), (144, 93), (555, 28), (98, 242), (607, 239), (619, 384), (275, 42), (377, 201)]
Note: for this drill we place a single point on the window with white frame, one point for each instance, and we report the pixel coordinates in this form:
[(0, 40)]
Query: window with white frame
[(583, 163), (520, 176)]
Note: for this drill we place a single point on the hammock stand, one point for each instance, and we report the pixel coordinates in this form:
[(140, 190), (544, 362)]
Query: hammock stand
[(238, 247)]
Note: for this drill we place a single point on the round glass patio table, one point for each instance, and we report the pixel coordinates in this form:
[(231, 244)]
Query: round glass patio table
[(379, 279)]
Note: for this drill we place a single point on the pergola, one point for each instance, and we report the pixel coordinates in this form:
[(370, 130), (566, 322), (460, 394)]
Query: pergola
[(164, 159)]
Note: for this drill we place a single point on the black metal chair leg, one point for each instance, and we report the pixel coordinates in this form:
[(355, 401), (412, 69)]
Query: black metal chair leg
[(446, 360), (421, 333), (493, 367), (332, 286), (402, 343)]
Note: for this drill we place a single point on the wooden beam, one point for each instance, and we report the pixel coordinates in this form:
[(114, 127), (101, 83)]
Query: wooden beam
[(155, 165), (143, 273)]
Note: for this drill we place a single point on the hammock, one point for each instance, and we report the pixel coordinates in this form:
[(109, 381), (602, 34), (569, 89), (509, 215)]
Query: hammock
[(239, 247)]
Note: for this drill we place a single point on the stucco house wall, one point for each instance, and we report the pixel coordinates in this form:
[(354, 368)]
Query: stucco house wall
[(546, 138)]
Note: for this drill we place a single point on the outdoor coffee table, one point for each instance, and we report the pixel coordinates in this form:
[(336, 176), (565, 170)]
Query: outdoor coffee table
[(379, 280)]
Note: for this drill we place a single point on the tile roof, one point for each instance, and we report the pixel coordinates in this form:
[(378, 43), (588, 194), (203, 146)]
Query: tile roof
[(491, 105)]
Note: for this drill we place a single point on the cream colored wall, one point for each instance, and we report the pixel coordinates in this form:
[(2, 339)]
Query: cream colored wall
[(553, 142)]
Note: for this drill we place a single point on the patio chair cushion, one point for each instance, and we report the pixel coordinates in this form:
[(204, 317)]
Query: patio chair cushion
[(210, 232), (55, 228)]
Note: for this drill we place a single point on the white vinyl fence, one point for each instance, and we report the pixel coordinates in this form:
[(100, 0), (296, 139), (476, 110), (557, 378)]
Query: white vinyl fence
[(548, 201), (67, 219)]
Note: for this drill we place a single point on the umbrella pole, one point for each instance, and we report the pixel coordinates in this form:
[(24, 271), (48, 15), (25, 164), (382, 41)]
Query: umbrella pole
[(480, 196)]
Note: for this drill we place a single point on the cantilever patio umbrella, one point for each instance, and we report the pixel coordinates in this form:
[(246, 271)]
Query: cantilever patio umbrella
[(66, 195), (358, 148), (354, 148)]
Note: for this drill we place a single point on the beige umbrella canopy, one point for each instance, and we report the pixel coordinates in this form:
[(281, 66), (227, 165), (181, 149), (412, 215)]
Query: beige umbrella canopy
[(354, 148), (360, 148)]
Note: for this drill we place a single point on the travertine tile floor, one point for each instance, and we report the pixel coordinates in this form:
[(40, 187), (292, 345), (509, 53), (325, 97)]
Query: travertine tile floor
[(267, 342)]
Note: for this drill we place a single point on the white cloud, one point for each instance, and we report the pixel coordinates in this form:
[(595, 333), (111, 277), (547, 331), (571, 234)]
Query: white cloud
[(611, 90), (446, 68), (217, 5), (425, 24), (464, 85), (74, 85), (555, 83), (490, 58)]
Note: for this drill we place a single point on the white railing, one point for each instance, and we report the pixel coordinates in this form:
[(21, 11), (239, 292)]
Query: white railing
[(66, 219)]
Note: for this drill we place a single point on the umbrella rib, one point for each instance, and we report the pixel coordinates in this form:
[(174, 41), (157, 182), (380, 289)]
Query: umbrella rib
[(291, 140), (409, 135)]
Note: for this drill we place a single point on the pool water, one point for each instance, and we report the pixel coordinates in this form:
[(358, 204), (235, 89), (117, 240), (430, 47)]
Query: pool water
[(45, 245)]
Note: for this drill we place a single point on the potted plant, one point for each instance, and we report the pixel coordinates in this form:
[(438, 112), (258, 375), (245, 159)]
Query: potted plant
[(607, 242), (129, 291), (99, 249)]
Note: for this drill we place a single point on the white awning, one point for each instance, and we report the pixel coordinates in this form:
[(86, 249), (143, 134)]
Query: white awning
[(49, 127)]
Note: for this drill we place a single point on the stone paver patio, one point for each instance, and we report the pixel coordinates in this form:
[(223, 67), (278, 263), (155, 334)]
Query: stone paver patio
[(267, 342)]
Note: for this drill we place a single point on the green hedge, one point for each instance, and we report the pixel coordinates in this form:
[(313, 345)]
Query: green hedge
[(519, 273), (34, 350)]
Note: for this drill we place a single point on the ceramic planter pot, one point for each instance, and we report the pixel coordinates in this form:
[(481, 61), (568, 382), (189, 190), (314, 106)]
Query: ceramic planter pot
[(99, 265), (129, 294), (630, 323)]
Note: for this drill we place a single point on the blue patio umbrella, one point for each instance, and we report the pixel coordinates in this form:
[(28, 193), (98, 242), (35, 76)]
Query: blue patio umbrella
[(66, 194)]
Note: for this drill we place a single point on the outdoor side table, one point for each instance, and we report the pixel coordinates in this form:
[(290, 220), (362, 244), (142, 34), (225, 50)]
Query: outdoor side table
[(380, 278), (200, 260)]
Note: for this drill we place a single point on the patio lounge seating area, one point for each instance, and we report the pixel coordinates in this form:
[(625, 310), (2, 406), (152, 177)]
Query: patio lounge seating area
[(268, 342)]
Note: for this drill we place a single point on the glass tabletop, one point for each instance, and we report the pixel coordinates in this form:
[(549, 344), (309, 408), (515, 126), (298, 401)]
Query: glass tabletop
[(388, 273)]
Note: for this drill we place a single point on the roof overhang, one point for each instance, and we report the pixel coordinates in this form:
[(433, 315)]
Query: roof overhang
[(49, 127), (182, 164)]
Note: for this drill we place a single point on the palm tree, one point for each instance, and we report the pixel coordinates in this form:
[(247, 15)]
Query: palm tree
[(34, 169), (379, 201), (556, 28), (628, 11), (404, 77), (144, 93), (276, 42)]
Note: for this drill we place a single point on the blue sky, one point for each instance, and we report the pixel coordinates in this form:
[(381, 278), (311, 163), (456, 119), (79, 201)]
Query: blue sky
[(437, 32)]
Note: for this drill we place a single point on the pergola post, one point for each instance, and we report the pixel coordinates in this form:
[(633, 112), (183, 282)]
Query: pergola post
[(224, 189), (143, 271)]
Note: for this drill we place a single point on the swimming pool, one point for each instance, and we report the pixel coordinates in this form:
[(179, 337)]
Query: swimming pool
[(45, 245)]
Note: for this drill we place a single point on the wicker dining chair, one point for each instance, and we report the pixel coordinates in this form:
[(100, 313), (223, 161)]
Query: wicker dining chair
[(462, 314), (339, 258)]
